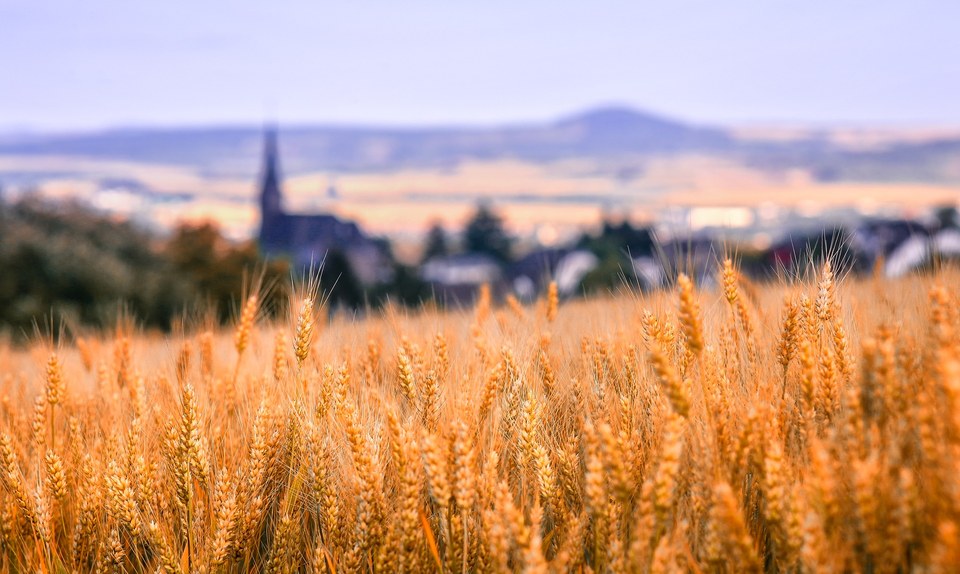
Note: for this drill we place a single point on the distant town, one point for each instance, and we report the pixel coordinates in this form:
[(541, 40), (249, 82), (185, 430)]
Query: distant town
[(772, 241), (549, 180), (602, 201)]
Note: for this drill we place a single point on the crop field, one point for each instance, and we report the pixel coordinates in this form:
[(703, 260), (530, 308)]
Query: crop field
[(803, 426)]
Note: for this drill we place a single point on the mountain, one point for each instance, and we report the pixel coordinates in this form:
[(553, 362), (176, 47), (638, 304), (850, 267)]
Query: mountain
[(605, 132), (621, 130)]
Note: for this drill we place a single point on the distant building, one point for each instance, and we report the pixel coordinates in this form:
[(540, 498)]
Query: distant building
[(306, 239), (530, 275), (457, 278), (904, 246), (697, 256)]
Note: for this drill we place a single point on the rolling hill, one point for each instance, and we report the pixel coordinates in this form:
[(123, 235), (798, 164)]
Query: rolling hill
[(603, 132)]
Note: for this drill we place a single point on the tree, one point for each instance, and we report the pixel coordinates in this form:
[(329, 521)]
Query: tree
[(217, 269), (405, 287), (339, 285), (947, 217), (485, 234), (66, 264), (435, 244)]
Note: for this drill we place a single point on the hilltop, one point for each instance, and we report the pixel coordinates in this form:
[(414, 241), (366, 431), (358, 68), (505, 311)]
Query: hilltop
[(233, 149), (601, 133)]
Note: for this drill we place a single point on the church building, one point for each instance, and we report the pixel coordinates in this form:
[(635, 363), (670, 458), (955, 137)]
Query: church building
[(308, 238)]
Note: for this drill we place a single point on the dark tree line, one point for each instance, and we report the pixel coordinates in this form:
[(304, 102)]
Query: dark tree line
[(65, 264)]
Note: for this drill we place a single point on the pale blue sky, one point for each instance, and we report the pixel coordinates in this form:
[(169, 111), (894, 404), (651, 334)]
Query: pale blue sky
[(68, 64)]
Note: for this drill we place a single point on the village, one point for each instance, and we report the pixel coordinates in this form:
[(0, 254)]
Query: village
[(770, 243)]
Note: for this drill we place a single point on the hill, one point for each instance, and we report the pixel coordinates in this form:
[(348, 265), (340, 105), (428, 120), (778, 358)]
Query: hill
[(234, 150), (557, 175), (608, 133)]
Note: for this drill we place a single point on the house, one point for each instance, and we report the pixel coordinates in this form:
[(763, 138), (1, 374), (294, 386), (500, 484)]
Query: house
[(906, 246), (530, 275), (899, 245), (801, 251), (457, 278)]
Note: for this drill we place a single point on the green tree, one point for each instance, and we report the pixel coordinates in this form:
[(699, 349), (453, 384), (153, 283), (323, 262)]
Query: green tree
[(947, 217), (485, 234), (64, 262), (218, 269), (435, 244), (405, 287), (338, 283)]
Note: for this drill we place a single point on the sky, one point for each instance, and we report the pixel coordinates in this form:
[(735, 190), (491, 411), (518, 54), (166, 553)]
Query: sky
[(74, 65)]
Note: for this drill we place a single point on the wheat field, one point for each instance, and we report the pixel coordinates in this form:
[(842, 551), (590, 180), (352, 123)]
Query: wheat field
[(804, 426)]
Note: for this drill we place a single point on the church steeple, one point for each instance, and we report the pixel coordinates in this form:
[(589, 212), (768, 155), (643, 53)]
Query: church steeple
[(271, 199)]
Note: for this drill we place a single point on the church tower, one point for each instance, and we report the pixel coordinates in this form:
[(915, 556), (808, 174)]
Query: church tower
[(271, 199)]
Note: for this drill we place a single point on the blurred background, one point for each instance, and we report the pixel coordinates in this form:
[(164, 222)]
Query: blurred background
[(154, 154)]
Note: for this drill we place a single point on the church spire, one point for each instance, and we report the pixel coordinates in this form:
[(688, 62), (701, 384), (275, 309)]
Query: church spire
[(271, 199)]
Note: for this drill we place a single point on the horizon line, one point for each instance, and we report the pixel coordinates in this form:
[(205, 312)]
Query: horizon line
[(400, 125)]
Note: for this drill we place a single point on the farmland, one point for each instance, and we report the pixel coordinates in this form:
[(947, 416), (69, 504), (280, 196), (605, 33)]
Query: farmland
[(808, 425)]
